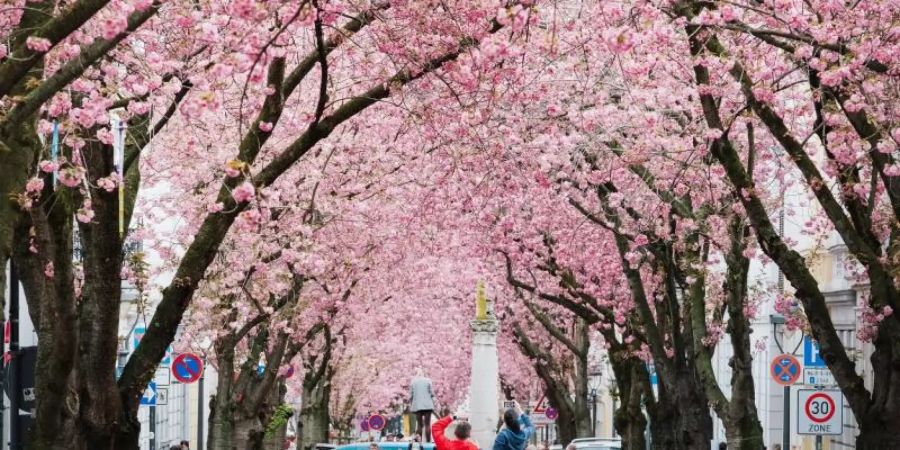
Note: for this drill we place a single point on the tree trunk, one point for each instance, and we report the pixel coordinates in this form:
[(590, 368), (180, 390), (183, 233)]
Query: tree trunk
[(629, 419), (581, 409), (878, 427), (314, 413), (252, 428), (692, 418), (221, 423)]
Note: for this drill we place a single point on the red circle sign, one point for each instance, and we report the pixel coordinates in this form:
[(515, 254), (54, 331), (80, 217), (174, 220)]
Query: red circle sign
[(377, 422), (551, 413), (785, 369), (819, 411), (187, 368)]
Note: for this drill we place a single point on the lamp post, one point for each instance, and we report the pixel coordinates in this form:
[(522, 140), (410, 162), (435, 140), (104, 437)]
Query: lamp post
[(778, 320), (594, 374)]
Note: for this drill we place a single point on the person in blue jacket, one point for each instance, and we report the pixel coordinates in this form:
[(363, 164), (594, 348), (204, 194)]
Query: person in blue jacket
[(514, 436)]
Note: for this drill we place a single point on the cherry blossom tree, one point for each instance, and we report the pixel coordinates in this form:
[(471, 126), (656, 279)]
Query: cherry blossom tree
[(220, 75)]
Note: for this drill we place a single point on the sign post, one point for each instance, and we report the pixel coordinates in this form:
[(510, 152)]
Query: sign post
[(785, 370), (818, 377), (811, 355), (187, 368), (377, 422), (820, 412), (551, 414)]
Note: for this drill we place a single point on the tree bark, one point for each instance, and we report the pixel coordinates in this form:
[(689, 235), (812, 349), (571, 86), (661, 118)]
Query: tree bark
[(629, 419), (314, 412)]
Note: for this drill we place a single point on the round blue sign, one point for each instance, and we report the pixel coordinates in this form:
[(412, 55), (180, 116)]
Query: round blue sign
[(377, 422)]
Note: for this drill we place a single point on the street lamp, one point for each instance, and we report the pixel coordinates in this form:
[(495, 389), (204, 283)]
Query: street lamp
[(594, 375)]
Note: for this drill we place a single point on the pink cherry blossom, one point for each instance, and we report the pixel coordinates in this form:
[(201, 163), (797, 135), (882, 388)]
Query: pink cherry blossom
[(38, 44), (244, 192), (34, 186)]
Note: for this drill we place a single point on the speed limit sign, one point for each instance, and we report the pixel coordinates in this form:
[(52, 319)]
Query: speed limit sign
[(820, 412)]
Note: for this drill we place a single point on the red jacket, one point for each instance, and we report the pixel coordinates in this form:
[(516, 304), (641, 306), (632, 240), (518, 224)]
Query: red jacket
[(440, 439)]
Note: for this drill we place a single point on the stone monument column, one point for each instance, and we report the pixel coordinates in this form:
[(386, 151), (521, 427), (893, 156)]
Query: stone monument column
[(484, 409)]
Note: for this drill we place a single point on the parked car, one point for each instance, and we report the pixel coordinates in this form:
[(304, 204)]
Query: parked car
[(595, 444), (605, 445), (383, 446)]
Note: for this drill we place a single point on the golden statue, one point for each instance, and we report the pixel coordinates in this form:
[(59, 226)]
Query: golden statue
[(481, 306)]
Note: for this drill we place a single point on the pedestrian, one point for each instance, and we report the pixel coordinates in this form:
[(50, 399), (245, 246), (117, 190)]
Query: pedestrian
[(462, 432), (185, 445), (723, 446), (175, 447), (373, 446), (572, 446), (776, 447), (415, 442), (517, 429), (421, 402)]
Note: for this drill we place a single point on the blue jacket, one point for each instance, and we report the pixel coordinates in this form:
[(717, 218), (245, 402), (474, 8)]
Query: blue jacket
[(515, 440)]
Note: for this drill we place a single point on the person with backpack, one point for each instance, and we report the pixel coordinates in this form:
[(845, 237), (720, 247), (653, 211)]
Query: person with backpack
[(516, 431)]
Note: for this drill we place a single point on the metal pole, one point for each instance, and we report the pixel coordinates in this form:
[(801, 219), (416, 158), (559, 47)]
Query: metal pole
[(819, 442), (200, 407), (152, 427), (594, 423), (786, 436), (3, 377), (15, 440)]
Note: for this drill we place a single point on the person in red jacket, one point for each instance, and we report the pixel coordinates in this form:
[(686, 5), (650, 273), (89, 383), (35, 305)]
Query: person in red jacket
[(462, 432)]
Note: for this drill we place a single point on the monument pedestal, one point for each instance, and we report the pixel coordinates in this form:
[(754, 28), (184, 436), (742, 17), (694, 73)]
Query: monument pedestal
[(485, 388)]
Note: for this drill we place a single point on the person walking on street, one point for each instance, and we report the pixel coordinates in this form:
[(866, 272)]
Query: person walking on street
[(421, 403), (415, 443), (518, 428), (462, 432)]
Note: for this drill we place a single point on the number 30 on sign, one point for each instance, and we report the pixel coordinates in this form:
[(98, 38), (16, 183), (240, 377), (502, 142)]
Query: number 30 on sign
[(820, 412)]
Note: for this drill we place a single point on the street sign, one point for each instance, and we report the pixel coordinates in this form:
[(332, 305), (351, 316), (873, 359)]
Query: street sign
[(551, 413), (785, 369), (138, 334), (149, 397), (540, 407), (811, 355), (162, 396), (377, 422), (24, 365), (509, 404), (820, 412), (651, 369), (163, 376), (818, 377), (364, 425), (187, 368)]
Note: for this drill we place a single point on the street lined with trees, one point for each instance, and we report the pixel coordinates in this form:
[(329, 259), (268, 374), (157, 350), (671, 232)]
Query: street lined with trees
[(306, 178)]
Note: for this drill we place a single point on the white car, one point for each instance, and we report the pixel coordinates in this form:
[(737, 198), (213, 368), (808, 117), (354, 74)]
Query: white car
[(597, 444)]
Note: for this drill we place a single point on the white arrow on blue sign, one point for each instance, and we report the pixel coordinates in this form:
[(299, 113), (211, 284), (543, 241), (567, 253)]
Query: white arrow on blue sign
[(149, 398)]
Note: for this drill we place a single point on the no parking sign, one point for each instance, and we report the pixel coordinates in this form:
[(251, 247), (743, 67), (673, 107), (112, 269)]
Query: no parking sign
[(820, 412), (187, 368), (377, 422)]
